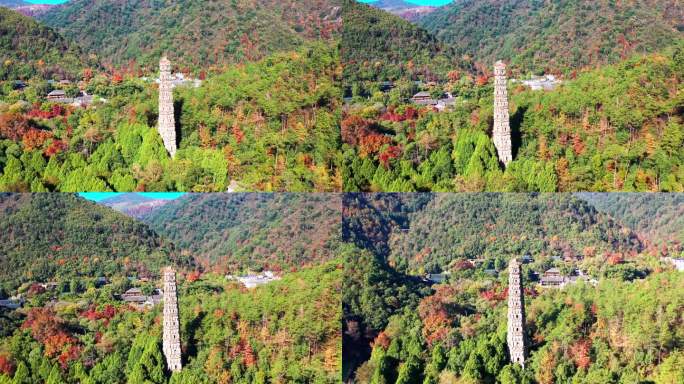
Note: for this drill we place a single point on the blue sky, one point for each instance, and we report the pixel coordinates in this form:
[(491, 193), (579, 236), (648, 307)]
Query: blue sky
[(99, 196), (46, 1), (434, 3)]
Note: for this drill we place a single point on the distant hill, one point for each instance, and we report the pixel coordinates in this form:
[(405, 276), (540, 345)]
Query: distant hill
[(556, 35), (228, 232), (28, 48), (432, 235), (13, 3), (195, 34), (133, 204), (48, 235), (404, 9)]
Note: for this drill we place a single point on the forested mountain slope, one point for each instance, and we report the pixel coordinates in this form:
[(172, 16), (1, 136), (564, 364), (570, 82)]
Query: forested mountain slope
[(195, 34), (544, 35), (46, 235), (28, 49), (378, 46), (437, 235), (659, 216), (230, 232)]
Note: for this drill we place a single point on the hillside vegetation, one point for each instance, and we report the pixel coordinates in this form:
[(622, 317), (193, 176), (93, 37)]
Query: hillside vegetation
[(48, 235), (270, 125), (616, 128), (234, 232), (378, 46), (29, 49), (659, 217), (538, 36), (439, 233), (195, 34), (286, 331)]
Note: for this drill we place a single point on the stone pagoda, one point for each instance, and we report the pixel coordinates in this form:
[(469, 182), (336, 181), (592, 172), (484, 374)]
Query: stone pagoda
[(502, 127), (171, 336), (167, 122), (516, 314)]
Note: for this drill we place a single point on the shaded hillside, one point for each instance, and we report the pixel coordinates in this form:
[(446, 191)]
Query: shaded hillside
[(229, 232), (372, 293), (49, 235), (29, 49), (659, 216), (455, 227), (556, 35), (195, 34), (378, 46)]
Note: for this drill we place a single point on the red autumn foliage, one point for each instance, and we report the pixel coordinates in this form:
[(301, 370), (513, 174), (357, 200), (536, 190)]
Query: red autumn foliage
[(70, 353), (436, 315), (354, 127), (55, 147), (482, 80), (410, 113), (6, 366), (193, 276), (577, 144), (50, 330), (237, 132), (117, 78), (579, 352), (463, 265), (382, 340), (55, 344), (12, 126), (371, 144), (35, 289), (389, 154), (248, 355), (454, 76), (107, 313), (615, 258), (35, 138), (495, 294)]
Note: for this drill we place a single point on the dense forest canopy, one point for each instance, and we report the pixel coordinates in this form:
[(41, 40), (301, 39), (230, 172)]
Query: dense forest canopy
[(556, 36), (195, 34), (234, 232)]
